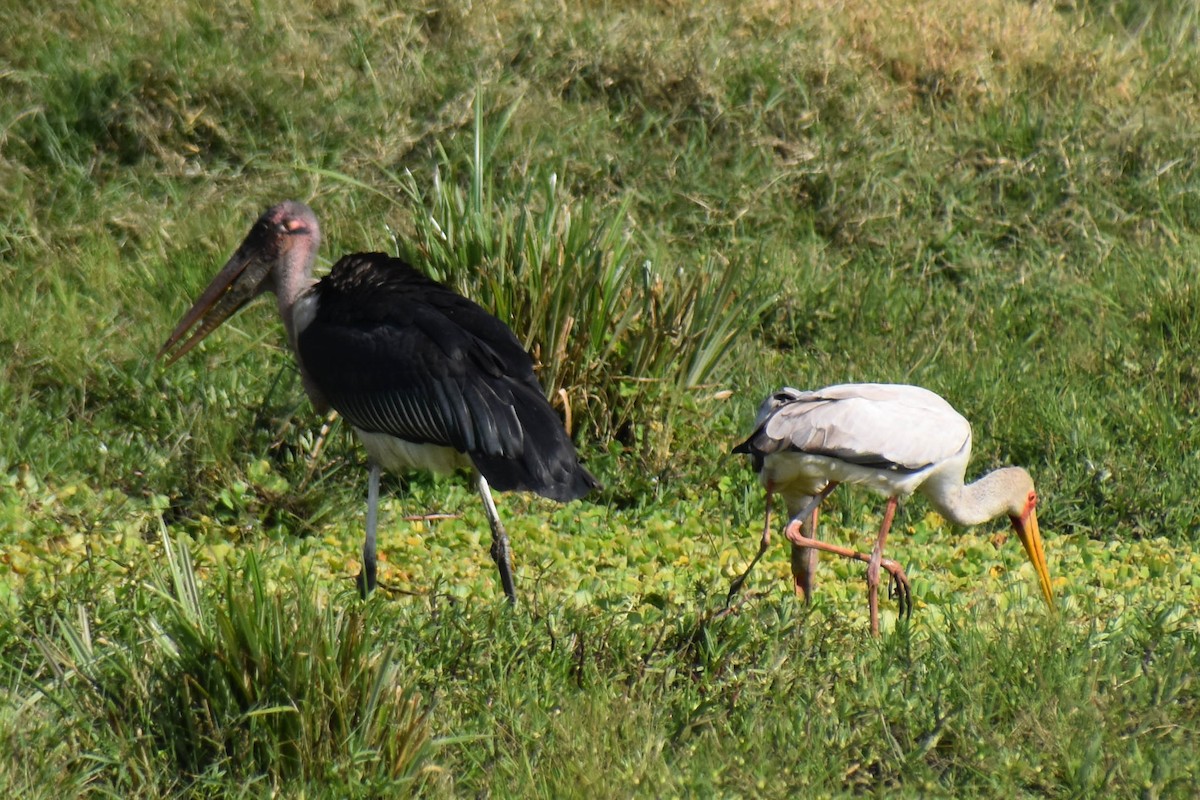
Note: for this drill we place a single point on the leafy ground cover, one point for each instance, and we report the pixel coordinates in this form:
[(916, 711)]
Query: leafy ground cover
[(998, 201)]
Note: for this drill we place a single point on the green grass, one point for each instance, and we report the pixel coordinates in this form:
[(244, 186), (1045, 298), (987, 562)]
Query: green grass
[(264, 687), (999, 201)]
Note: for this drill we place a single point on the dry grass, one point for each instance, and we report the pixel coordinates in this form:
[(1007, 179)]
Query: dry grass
[(940, 50)]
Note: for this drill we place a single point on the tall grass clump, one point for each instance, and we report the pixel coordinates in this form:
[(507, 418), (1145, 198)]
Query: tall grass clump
[(618, 336), (251, 685)]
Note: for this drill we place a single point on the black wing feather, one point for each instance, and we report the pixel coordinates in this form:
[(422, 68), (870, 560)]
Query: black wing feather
[(397, 353)]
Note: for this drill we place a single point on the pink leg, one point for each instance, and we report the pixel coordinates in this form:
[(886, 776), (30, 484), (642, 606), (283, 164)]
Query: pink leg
[(889, 514), (804, 559), (804, 563), (900, 580), (765, 541)]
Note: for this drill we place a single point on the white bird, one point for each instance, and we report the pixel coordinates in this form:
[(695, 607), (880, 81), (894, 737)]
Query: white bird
[(896, 440)]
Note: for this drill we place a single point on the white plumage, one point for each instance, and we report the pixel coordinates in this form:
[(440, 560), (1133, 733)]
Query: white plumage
[(888, 437), (894, 439)]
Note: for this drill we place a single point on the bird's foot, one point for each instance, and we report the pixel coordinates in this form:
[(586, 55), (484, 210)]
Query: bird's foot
[(898, 587), (802, 588), (366, 581), (502, 555), (734, 588)]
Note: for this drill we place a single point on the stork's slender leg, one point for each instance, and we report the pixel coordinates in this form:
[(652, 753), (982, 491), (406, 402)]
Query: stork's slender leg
[(873, 565), (763, 543), (899, 580), (501, 553), (366, 578), (804, 562), (810, 510)]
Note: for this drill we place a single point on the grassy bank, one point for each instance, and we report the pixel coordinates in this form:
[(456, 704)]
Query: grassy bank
[(998, 202)]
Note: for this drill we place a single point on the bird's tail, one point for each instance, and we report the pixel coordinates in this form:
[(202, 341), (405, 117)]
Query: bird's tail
[(557, 476), (547, 462)]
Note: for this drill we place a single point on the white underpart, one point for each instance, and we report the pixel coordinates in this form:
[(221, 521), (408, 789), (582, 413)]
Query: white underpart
[(397, 455), (806, 473), (785, 477)]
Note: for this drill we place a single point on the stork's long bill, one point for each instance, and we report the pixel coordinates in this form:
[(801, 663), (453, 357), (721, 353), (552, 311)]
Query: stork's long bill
[(1026, 526), (239, 281)]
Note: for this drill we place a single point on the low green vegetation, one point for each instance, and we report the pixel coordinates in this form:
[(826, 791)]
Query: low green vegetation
[(678, 207)]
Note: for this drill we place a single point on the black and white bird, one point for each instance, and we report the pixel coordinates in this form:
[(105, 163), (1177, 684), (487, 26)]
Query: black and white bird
[(894, 439), (427, 378)]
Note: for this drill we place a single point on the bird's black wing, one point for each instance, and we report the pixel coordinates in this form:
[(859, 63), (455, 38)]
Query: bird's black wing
[(397, 353)]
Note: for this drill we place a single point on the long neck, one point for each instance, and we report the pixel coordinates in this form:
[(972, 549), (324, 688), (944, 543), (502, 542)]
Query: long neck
[(292, 279), (1000, 492)]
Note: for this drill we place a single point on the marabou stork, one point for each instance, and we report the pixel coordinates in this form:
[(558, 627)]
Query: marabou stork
[(896, 440), (427, 378)]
